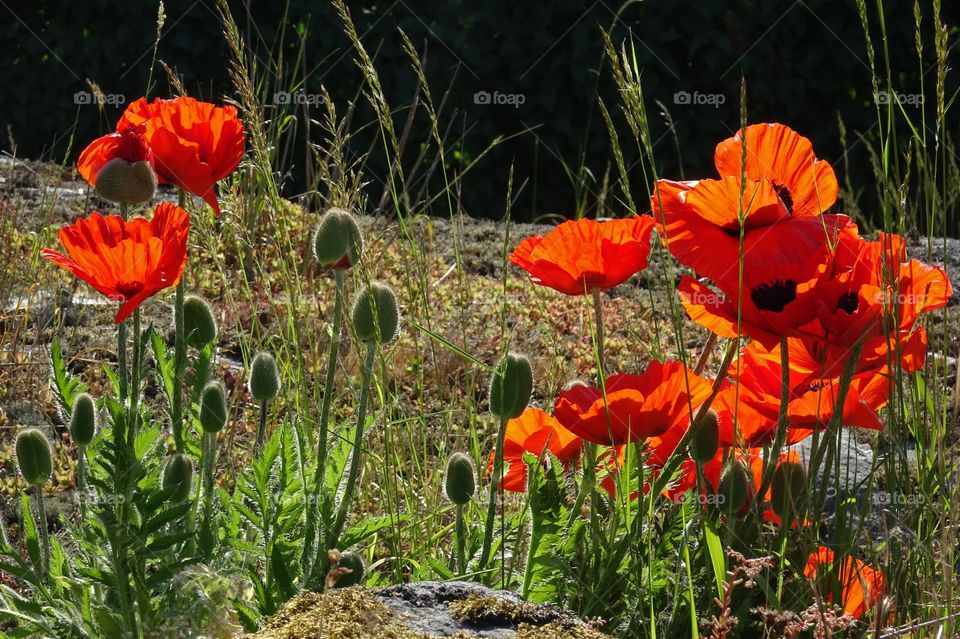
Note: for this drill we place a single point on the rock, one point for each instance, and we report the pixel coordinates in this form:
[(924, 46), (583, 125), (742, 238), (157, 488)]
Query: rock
[(422, 611)]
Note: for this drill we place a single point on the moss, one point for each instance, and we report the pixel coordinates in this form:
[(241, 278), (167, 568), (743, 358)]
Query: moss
[(533, 621), (357, 613)]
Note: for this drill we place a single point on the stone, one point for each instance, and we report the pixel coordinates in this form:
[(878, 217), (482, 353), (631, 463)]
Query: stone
[(424, 610)]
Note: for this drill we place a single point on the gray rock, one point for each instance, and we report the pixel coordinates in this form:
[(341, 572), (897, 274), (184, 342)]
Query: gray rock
[(424, 605)]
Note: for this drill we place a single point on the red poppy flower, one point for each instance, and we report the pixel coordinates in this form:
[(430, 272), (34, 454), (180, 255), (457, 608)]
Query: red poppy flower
[(862, 586), (582, 256), (636, 407), (806, 186), (128, 261), (700, 225), (534, 432), (756, 399), (752, 458), (195, 144), (129, 145)]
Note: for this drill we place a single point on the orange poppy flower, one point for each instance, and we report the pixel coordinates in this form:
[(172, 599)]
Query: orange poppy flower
[(636, 407), (756, 399), (861, 586), (806, 186), (585, 255), (129, 145), (534, 432), (195, 144), (128, 261)]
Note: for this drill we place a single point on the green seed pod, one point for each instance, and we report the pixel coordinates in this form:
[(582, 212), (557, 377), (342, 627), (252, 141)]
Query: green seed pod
[(213, 408), (33, 456), (375, 314), (83, 420), (178, 472), (734, 489), (199, 326), (461, 480), (354, 563), (705, 438), (264, 377), (126, 182), (788, 490), (338, 242), (511, 386)]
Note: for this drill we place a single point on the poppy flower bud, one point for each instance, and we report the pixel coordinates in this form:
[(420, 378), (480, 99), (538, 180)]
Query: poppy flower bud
[(511, 386), (788, 490), (355, 570), (461, 480), (705, 438), (213, 408), (338, 242), (83, 420), (264, 377), (33, 456), (199, 326), (375, 314), (126, 182), (178, 473), (733, 489)]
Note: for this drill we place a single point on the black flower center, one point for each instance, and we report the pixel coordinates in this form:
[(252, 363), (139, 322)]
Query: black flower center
[(784, 194), (849, 302), (774, 296), (129, 289)]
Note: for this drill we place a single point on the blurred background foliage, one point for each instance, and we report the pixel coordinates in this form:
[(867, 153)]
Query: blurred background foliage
[(804, 63)]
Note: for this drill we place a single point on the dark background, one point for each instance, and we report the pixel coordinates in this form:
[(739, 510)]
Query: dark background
[(804, 62)]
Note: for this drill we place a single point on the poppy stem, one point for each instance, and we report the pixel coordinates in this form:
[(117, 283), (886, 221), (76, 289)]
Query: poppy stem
[(770, 461), (496, 479), (356, 459), (598, 323), (44, 534), (262, 426), (209, 454), (308, 559), (180, 353), (135, 383), (460, 533)]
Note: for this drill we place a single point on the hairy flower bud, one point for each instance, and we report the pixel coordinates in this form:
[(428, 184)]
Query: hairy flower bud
[(264, 377), (375, 314), (83, 420), (734, 489), (213, 408), (33, 456), (511, 386), (351, 571), (705, 437), (461, 480), (788, 491), (178, 473), (338, 242), (126, 182), (199, 326)]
